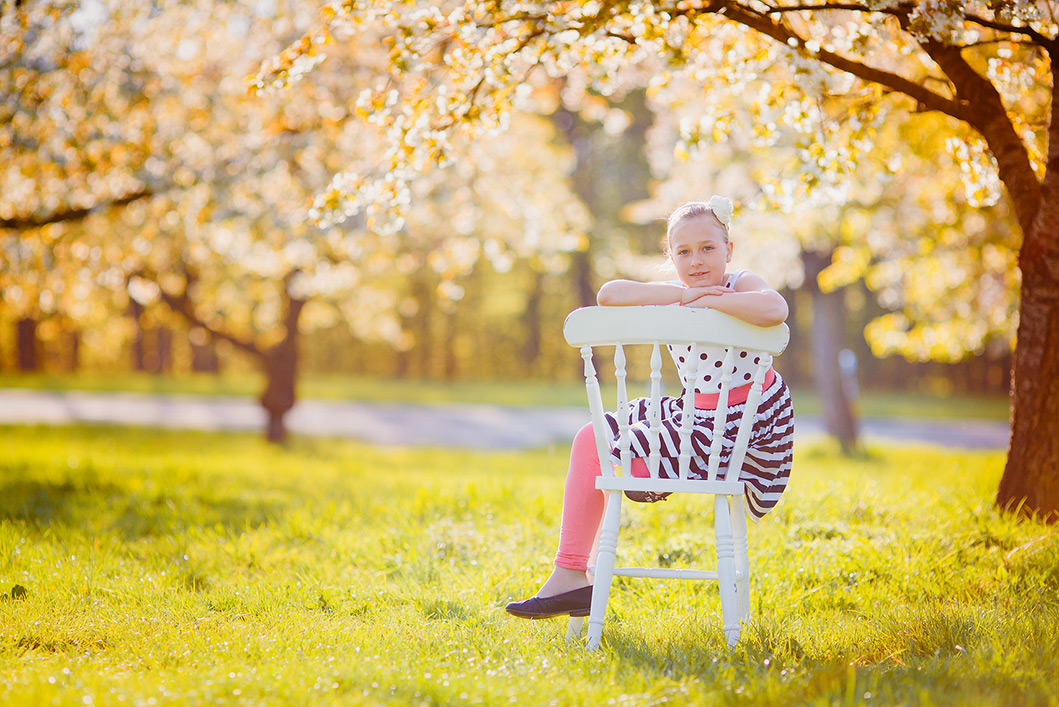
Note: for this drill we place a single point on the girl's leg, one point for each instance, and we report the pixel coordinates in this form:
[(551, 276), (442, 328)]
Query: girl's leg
[(582, 513), (583, 506)]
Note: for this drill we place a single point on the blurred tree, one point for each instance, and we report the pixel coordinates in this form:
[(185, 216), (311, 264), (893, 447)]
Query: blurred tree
[(984, 66), (27, 344), (610, 171), (829, 317), (139, 172)]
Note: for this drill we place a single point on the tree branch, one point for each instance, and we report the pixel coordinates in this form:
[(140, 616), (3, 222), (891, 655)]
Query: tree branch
[(851, 7), (182, 305), (934, 101), (26, 223), (1040, 246), (987, 115), (1037, 37), (969, 17)]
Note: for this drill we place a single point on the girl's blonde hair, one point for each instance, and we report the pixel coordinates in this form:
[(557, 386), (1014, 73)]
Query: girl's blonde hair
[(718, 207)]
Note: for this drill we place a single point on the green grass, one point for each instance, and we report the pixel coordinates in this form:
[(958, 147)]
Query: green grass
[(325, 387), (180, 568), (916, 405), (514, 392)]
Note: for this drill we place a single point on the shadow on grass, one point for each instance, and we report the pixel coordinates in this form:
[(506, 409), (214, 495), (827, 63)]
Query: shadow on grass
[(132, 515), (945, 657), (44, 503)]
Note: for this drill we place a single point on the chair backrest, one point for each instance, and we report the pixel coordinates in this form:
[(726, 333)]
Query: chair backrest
[(658, 326)]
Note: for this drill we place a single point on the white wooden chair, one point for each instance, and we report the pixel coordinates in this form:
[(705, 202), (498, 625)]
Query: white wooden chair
[(657, 326)]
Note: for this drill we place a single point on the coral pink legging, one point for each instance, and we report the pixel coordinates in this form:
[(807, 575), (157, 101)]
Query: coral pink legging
[(583, 503)]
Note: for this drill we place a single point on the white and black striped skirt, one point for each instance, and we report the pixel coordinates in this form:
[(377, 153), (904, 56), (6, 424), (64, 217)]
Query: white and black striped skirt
[(767, 465)]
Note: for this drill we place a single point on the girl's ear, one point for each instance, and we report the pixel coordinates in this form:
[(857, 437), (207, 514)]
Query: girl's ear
[(730, 247)]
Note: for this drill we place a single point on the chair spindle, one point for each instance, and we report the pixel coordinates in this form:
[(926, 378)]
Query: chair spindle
[(746, 422), (721, 414), (595, 406), (688, 411), (622, 411), (655, 425)]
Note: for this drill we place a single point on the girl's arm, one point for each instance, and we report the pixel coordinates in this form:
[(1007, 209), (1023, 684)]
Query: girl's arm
[(751, 300), (629, 292)]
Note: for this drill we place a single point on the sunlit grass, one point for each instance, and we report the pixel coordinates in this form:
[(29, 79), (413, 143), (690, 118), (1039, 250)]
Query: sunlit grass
[(326, 387), (192, 568), (509, 392)]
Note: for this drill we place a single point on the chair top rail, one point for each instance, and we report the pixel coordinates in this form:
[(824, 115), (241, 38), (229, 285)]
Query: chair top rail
[(647, 324)]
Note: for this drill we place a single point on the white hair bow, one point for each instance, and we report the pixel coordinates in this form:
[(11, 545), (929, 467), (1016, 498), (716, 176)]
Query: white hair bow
[(722, 208)]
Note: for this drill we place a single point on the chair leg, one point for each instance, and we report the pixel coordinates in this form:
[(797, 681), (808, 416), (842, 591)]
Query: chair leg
[(594, 555), (742, 556), (726, 569), (573, 628), (608, 546)]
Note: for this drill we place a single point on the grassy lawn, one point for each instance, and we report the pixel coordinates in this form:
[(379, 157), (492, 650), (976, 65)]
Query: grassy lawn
[(325, 387), (182, 568), (515, 392)]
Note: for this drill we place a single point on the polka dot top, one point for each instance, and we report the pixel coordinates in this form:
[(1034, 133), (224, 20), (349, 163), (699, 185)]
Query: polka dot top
[(711, 359)]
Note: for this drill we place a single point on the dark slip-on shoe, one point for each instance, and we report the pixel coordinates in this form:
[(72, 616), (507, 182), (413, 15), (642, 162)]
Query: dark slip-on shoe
[(575, 603), (647, 496)]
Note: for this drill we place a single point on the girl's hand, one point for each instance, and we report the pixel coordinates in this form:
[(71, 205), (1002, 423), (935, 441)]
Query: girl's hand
[(698, 296), (751, 300)]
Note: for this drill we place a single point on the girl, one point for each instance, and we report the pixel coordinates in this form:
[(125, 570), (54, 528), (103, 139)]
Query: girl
[(698, 246)]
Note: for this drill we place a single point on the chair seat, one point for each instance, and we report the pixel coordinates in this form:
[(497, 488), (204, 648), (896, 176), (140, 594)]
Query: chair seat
[(634, 483)]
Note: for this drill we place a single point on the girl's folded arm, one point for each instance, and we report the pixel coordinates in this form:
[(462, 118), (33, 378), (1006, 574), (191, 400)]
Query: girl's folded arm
[(630, 292), (752, 300), (763, 308)]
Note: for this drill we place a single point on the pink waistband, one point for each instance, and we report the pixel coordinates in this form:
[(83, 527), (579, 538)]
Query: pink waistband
[(736, 396)]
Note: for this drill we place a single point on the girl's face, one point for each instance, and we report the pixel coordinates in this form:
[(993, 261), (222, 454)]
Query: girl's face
[(700, 251)]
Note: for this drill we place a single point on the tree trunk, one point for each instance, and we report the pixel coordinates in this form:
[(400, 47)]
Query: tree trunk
[(531, 321), (417, 324), (280, 363), (452, 361), (586, 297), (162, 360), (139, 355), (28, 348), (73, 360), (426, 294), (1031, 476), (582, 267), (829, 317), (281, 372), (204, 357)]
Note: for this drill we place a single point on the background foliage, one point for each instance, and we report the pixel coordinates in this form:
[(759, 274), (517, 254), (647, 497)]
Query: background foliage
[(143, 181)]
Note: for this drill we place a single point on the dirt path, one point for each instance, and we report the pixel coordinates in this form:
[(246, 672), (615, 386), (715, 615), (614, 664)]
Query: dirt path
[(472, 426)]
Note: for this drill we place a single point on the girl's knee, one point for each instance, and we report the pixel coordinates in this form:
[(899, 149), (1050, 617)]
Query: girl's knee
[(585, 436), (584, 459), (583, 454)]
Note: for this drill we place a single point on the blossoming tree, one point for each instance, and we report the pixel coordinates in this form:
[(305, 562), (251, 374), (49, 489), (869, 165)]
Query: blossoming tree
[(136, 167), (835, 71)]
